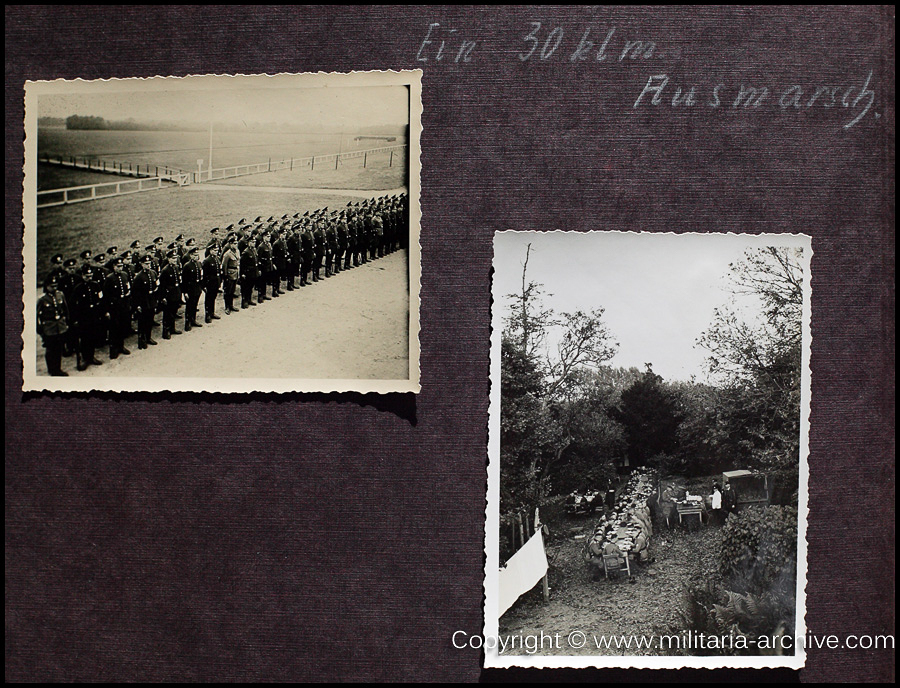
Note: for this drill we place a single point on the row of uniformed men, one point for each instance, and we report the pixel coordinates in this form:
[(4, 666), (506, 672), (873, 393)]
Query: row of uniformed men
[(84, 307)]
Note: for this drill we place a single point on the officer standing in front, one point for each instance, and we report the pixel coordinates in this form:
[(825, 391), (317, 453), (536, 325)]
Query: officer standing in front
[(52, 324)]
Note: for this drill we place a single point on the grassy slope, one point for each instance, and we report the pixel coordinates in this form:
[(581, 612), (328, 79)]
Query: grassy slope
[(54, 177)]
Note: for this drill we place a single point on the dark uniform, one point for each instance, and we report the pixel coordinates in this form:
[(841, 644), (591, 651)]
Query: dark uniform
[(330, 248), (68, 280), (112, 255), (86, 257), (366, 225), (318, 252), (249, 266), (192, 286), (159, 254), (53, 324), (293, 253), (279, 260), (117, 292), (351, 242), (343, 242), (170, 294), (88, 314), (212, 280), (56, 267), (307, 254), (146, 287), (378, 234), (266, 267)]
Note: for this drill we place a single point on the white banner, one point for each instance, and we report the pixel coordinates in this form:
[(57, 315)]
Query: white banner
[(523, 570)]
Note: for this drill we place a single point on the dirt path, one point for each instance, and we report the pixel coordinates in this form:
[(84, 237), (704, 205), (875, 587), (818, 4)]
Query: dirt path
[(646, 605), (351, 326)]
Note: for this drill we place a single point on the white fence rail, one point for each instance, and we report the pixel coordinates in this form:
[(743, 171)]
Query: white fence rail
[(151, 177), (125, 169), (329, 161), (92, 192)]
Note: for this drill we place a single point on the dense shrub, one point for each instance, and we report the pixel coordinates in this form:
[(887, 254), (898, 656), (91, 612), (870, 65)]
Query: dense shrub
[(759, 549), (751, 624)]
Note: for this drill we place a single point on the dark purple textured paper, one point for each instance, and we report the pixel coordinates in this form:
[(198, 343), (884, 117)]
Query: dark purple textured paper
[(313, 537)]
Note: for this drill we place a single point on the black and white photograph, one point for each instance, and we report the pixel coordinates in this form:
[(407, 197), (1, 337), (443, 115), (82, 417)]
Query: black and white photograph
[(647, 477), (223, 233)]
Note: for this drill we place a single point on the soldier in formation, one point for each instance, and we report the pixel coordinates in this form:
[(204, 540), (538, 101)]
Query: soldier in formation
[(89, 305)]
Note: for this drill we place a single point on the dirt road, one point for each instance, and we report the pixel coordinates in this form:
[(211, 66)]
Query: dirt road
[(645, 605), (353, 325)]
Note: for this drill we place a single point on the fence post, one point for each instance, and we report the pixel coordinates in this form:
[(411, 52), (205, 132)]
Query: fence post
[(521, 528), (365, 159), (337, 159), (312, 164), (391, 163), (65, 197), (292, 169), (545, 582), (270, 165)]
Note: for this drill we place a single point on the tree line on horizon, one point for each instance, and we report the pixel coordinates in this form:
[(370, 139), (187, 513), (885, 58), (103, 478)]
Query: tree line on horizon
[(96, 123)]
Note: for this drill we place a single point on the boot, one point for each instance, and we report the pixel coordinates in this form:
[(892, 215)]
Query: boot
[(151, 341), (187, 326), (79, 363), (141, 343)]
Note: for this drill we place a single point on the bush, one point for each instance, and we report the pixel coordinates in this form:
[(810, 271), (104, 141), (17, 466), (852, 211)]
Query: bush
[(751, 624), (759, 550)]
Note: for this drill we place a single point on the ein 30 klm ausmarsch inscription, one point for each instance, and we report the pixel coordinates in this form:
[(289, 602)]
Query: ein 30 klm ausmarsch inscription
[(541, 43)]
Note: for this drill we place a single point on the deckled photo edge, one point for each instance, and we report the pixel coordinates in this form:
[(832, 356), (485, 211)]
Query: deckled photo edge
[(492, 657), (411, 79)]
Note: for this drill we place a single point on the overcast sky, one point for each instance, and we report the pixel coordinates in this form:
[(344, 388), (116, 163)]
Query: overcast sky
[(350, 107), (658, 290)]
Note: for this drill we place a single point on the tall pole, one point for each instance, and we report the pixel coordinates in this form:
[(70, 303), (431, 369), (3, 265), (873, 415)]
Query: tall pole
[(210, 149)]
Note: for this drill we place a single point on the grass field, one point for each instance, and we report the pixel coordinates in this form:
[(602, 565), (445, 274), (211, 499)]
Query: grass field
[(118, 221), (183, 149), (55, 177)]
